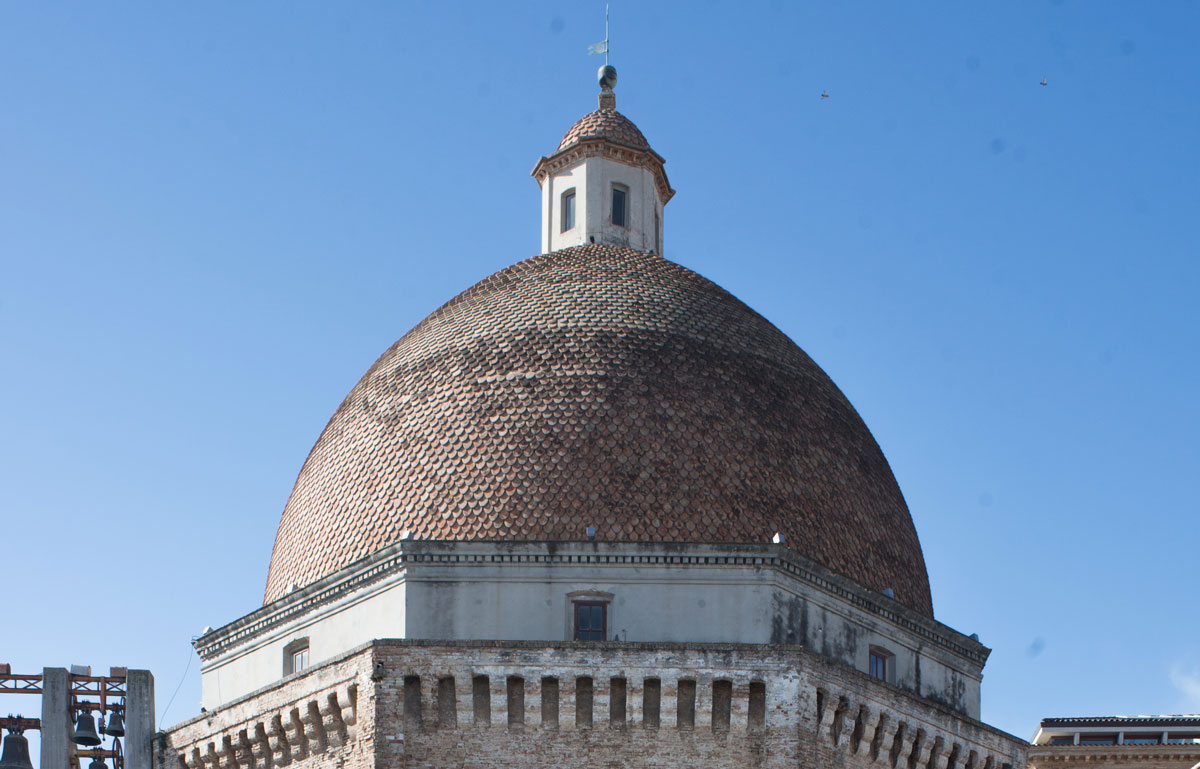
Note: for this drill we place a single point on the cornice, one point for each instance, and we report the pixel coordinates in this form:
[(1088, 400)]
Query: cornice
[(1119, 754), (599, 146), (302, 601), (397, 559)]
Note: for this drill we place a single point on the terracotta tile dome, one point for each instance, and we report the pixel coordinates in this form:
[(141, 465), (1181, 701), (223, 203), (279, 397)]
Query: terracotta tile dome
[(605, 122), (599, 386)]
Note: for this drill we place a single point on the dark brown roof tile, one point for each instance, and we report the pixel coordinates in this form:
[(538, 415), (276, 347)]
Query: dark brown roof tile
[(599, 386)]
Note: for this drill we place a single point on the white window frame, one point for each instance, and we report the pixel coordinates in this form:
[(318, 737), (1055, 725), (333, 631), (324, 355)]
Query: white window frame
[(562, 210), (295, 647)]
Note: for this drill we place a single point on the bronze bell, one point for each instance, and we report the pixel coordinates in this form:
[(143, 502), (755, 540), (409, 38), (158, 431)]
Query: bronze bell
[(16, 752), (97, 763), (116, 726), (85, 731)]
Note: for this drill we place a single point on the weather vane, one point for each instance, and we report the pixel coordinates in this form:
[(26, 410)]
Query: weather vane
[(602, 47)]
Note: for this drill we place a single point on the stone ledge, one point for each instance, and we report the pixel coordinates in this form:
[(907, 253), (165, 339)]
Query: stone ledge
[(395, 559)]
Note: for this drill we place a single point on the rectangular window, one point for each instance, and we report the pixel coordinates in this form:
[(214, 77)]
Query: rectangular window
[(447, 704), (550, 702), (758, 706), (651, 702), (619, 199), (591, 620), (568, 210), (1142, 739), (481, 699), (1097, 739), (1068, 739), (878, 664), (617, 694), (412, 701), (295, 656), (722, 702), (583, 703), (516, 701), (685, 704)]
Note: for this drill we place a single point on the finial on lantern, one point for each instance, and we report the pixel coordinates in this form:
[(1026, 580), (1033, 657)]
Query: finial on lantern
[(607, 76)]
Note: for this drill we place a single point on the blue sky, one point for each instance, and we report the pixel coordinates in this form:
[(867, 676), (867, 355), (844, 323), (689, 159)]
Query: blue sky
[(214, 217)]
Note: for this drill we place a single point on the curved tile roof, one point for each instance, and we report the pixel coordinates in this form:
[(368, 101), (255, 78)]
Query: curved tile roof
[(599, 386), (607, 123)]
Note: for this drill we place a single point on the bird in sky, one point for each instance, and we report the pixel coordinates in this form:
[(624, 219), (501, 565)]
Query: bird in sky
[(1043, 81), (825, 94)]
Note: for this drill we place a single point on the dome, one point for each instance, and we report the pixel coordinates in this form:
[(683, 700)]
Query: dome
[(605, 123), (599, 386)]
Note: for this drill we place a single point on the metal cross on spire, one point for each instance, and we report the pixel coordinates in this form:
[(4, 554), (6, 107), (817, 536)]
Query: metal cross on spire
[(602, 47)]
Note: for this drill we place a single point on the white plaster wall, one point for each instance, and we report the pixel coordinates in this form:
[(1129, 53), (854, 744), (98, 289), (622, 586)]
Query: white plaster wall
[(515, 591), (676, 604), (377, 612), (593, 180), (659, 605), (553, 238), (916, 667)]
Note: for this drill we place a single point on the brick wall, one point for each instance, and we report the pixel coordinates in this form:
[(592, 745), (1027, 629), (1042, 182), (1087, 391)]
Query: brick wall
[(532, 705), (312, 719)]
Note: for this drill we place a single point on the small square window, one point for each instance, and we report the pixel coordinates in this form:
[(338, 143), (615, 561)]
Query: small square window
[(619, 199), (878, 664), (295, 656), (591, 620), (568, 210)]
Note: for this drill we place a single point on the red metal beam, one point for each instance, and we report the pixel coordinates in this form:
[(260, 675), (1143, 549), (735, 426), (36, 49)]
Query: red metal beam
[(20, 724), (20, 682)]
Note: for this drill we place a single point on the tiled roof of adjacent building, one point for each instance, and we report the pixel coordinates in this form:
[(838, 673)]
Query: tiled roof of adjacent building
[(606, 123), (599, 387), (1106, 721)]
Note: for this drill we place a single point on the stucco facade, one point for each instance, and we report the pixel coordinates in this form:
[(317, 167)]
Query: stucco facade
[(592, 180), (470, 591)]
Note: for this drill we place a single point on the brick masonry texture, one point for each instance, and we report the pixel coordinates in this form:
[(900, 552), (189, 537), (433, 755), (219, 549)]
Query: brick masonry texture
[(606, 387), (313, 720), (427, 704)]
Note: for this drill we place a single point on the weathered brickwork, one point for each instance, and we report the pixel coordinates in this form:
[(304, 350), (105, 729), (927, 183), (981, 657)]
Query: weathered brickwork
[(605, 387), (310, 720), (512, 704)]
